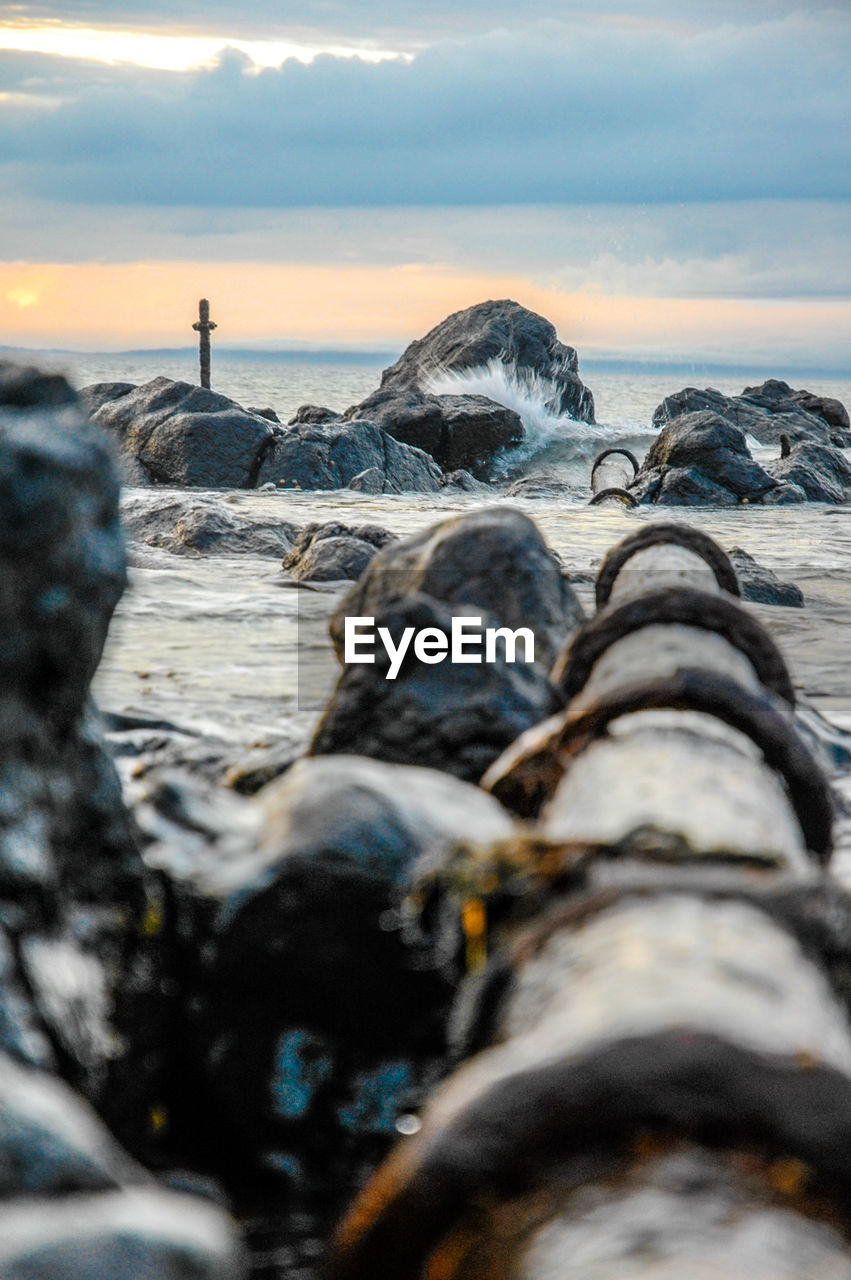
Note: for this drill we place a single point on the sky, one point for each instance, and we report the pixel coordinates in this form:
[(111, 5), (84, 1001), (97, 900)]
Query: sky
[(662, 180)]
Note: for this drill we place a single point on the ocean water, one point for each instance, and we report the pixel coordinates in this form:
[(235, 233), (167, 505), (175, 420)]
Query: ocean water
[(231, 650)]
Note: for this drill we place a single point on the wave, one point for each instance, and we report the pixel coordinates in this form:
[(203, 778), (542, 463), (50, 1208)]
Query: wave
[(554, 442)]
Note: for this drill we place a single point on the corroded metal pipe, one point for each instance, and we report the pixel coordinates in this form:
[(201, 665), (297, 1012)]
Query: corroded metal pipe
[(666, 1043)]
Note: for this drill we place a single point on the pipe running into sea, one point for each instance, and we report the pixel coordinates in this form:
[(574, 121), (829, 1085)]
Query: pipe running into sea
[(654, 1072)]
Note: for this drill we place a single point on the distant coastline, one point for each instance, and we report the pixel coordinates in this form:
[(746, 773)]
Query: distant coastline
[(695, 367)]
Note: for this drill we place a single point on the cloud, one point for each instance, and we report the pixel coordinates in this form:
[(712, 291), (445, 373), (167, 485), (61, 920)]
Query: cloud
[(554, 112), (408, 23), (753, 249)]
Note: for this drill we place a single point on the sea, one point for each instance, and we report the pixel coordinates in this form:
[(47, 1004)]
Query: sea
[(231, 651)]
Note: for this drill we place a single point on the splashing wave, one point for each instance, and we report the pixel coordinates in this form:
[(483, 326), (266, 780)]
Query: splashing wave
[(555, 442)]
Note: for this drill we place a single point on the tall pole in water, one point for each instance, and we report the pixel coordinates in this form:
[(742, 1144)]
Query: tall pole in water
[(204, 326)]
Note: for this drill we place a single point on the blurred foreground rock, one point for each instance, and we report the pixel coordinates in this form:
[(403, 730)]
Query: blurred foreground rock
[(78, 907)]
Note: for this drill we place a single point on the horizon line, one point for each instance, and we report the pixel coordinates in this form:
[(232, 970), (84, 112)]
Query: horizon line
[(363, 355)]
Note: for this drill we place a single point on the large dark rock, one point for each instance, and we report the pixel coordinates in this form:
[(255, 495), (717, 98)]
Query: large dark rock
[(497, 330), (331, 552), (452, 716), (494, 559), (469, 431), (329, 455), (457, 431), (700, 458), (820, 470), (208, 526), (765, 412), (187, 435), (317, 1017)]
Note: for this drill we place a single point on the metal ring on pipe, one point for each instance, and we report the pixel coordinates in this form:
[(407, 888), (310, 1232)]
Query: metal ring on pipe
[(758, 717), (607, 453), (623, 495), (680, 535), (518, 1130), (684, 606)]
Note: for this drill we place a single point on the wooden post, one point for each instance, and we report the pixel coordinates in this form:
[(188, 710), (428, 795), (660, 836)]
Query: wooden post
[(204, 326)]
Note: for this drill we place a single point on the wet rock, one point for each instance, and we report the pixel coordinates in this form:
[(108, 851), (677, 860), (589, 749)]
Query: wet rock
[(268, 414), (820, 470), (541, 486), (496, 331), (370, 481), (784, 495), (778, 397), (457, 431), (766, 412), (98, 394), (313, 413), (700, 458), (464, 481), (452, 716), (139, 1234), (208, 526), (187, 435), (494, 558), (761, 585), (320, 1018), (330, 552), (329, 456)]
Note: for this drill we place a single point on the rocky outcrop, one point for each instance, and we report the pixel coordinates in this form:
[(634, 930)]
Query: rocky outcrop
[(469, 431), (700, 459), (498, 330), (457, 431), (208, 526), (174, 433), (494, 559), (331, 552), (765, 412), (331, 455), (820, 471), (187, 435)]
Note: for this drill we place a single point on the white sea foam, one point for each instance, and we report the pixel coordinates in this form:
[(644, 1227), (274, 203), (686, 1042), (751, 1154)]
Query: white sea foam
[(554, 440)]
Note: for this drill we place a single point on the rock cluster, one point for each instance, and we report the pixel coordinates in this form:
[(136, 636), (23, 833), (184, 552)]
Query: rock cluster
[(702, 457), (766, 412), (400, 439), (173, 433), (469, 430)]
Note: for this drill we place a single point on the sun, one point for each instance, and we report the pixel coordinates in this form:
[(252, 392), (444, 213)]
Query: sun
[(23, 297)]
